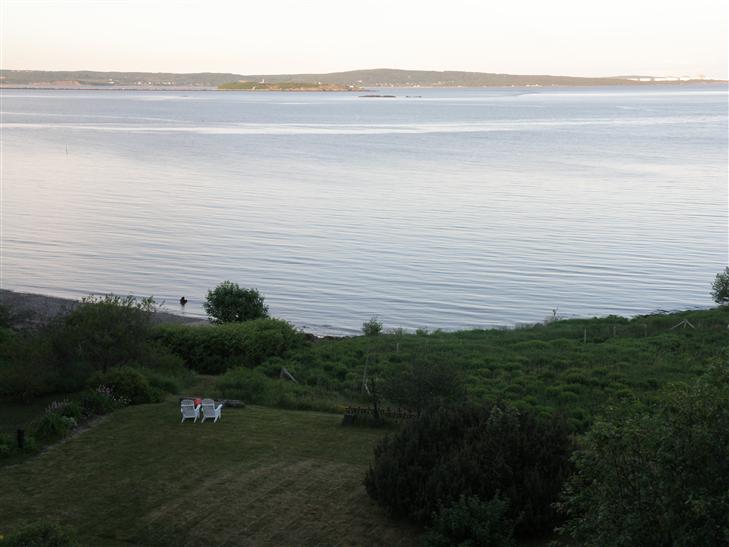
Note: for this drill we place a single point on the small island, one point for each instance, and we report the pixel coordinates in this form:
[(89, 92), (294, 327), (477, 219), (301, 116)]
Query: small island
[(284, 86)]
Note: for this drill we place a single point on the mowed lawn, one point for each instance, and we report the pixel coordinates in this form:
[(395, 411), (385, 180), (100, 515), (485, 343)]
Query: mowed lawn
[(260, 476)]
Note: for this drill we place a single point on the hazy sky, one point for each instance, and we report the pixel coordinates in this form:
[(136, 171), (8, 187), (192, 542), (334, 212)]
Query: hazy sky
[(567, 37)]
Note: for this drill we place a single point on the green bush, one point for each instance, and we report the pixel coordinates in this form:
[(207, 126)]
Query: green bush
[(229, 303), (42, 534), (53, 427), (655, 476), (470, 522), (474, 451), (250, 386), (215, 349), (126, 382), (104, 332)]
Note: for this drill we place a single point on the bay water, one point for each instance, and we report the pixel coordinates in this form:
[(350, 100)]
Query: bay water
[(438, 208)]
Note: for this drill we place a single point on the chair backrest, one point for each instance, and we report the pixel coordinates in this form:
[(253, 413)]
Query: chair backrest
[(208, 402), (208, 407), (188, 408)]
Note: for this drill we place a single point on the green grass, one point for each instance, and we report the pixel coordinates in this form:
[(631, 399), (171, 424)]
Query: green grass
[(258, 477), (574, 367)]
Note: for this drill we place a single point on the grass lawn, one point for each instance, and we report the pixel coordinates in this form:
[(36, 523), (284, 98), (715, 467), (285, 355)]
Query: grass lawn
[(260, 476)]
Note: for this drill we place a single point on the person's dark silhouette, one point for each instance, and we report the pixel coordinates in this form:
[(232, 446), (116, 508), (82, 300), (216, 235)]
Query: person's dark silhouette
[(183, 301)]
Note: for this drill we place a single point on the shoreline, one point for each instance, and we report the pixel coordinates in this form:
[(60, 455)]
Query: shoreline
[(39, 309)]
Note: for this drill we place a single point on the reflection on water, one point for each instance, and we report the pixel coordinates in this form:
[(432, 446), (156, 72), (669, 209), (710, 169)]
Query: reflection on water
[(460, 208)]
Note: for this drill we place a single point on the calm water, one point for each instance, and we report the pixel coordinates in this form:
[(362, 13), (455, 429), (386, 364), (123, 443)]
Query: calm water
[(455, 209)]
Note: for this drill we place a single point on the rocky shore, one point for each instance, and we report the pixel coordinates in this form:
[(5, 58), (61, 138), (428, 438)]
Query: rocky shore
[(35, 310)]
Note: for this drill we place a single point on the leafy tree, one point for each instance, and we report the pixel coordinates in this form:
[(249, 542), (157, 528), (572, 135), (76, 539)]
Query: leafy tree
[(655, 476), (373, 327), (229, 303), (480, 451), (720, 287)]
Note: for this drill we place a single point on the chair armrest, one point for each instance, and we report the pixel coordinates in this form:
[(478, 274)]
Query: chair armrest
[(217, 409)]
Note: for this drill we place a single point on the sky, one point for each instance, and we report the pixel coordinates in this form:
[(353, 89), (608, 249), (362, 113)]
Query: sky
[(560, 37)]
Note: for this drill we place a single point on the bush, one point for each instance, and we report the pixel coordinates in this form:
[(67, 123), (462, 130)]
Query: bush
[(42, 534), (104, 332), (99, 401), (474, 451), (424, 384), (69, 409), (250, 386), (720, 287), (656, 476), (215, 349), (373, 327), (53, 427), (126, 382), (470, 522), (228, 303)]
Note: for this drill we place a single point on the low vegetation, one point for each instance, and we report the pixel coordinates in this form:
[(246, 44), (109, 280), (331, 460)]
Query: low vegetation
[(613, 430)]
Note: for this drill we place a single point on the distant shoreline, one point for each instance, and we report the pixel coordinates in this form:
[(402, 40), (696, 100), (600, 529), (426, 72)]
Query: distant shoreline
[(492, 86)]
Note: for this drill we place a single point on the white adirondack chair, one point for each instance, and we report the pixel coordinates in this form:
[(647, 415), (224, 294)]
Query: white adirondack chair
[(209, 410), (189, 410)]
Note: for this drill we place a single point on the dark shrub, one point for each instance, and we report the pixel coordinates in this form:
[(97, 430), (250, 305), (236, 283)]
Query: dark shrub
[(474, 451), (423, 384), (126, 382), (97, 402), (42, 534), (470, 522), (655, 476), (104, 332), (53, 427), (229, 303), (212, 350)]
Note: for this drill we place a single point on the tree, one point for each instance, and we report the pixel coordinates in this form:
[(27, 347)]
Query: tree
[(228, 303), (720, 288), (655, 476)]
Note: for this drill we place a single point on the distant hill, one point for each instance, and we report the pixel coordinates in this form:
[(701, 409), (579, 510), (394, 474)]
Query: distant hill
[(381, 77)]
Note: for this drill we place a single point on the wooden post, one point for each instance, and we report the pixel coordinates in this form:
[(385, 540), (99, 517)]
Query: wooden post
[(20, 434)]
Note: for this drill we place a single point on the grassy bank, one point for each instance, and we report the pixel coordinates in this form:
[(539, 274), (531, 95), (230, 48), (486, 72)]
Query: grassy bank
[(258, 477)]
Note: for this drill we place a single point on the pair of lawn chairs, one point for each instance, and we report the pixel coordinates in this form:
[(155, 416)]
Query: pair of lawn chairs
[(205, 410)]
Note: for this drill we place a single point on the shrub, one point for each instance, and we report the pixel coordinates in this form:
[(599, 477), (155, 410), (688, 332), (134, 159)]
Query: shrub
[(42, 534), (99, 401), (104, 332), (212, 350), (471, 522), (424, 384), (53, 427), (250, 386), (126, 382), (720, 287), (228, 303), (373, 327), (473, 451), (69, 409), (655, 476)]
